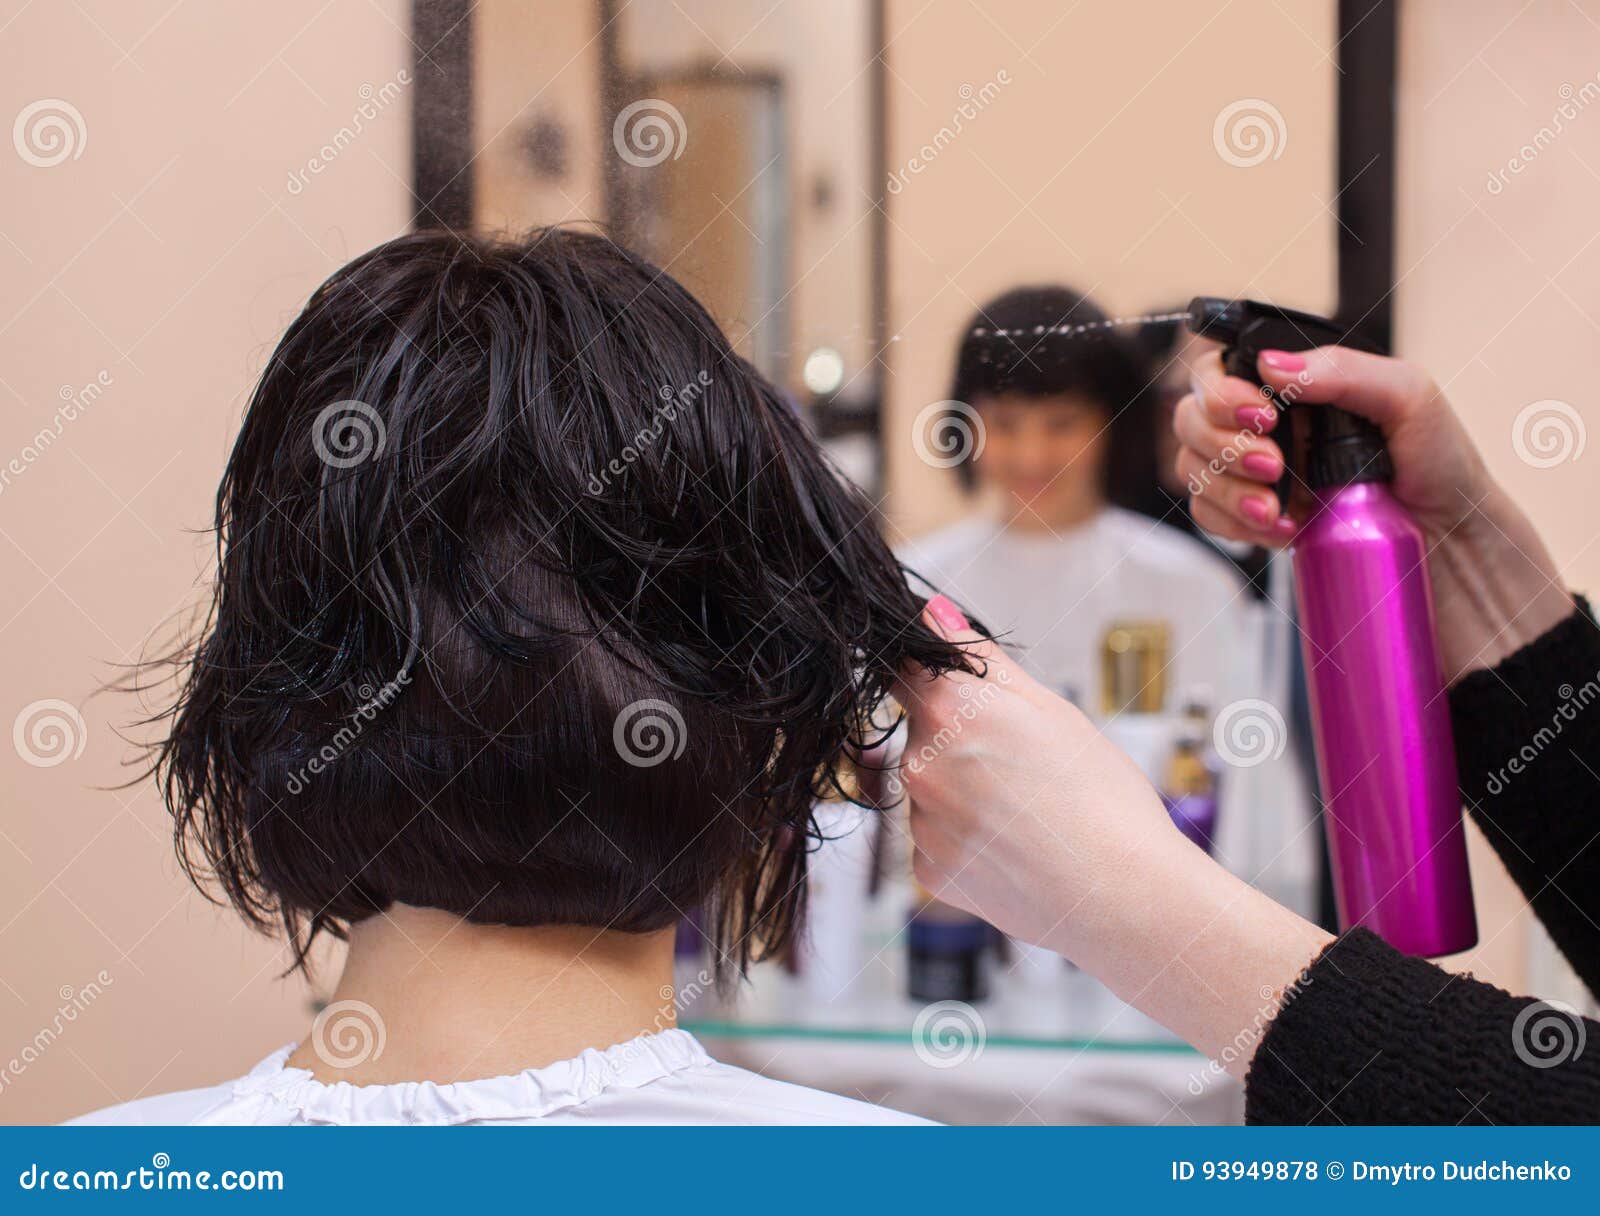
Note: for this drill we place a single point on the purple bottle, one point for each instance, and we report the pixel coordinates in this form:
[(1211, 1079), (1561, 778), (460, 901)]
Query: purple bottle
[(1380, 717)]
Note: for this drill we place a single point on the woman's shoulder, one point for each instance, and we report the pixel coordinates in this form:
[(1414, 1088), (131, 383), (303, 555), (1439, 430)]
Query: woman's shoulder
[(665, 1077), (186, 1105), (168, 1110)]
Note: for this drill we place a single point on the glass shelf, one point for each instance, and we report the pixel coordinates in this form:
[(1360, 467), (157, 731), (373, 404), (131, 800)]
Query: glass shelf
[(737, 1028), (851, 988), (1034, 1004)]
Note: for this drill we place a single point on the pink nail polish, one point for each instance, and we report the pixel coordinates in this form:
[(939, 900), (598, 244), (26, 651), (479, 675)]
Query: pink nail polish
[(1259, 464), (1283, 361), (1256, 510), (1254, 418), (1286, 527), (943, 610)]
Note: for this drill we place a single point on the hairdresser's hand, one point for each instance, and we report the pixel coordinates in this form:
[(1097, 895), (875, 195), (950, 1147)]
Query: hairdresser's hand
[(1021, 811), (1024, 814), (1495, 586)]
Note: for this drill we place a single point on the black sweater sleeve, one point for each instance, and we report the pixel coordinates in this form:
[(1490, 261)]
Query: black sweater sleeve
[(1528, 754), (1374, 1036), (1369, 1035)]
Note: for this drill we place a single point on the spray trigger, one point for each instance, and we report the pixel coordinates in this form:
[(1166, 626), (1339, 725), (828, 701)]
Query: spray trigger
[(1340, 447)]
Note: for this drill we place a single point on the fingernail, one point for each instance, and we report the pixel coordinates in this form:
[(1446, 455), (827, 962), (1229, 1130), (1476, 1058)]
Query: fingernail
[(943, 610), (1254, 418), (1283, 361), (1285, 527), (1257, 510), (1259, 464)]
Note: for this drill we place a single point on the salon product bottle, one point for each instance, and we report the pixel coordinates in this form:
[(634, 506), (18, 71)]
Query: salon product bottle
[(1133, 692), (831, 951), (689, 944), (1380, 719), (945, 950), (1200, 721), (1190, 788)]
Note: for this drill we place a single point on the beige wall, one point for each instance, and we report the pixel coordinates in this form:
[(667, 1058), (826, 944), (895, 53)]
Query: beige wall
[(1094, 166), (160, 265), (1499, 293), (1499, 285), (819, 48), (536, 63), (544, 61)]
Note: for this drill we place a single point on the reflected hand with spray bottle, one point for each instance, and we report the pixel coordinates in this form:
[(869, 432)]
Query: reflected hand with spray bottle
[(1029, 820)]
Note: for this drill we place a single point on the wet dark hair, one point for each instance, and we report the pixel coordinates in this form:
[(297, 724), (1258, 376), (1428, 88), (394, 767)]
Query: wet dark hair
[(535, 604), (1100, 365)]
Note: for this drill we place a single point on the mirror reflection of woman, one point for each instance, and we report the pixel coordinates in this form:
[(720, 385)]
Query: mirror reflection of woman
[(1061, 543), (1031, 820)]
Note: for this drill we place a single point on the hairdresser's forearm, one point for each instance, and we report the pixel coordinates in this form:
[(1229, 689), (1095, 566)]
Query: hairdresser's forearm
[(1496, 587), (1202, 952)]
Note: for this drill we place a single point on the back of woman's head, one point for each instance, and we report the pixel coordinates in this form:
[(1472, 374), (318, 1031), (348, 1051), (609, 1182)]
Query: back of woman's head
[(535, 603)]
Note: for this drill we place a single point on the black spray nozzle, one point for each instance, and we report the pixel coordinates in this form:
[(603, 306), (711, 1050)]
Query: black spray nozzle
[(1216, 318), (1252, 327), (1340, 448)]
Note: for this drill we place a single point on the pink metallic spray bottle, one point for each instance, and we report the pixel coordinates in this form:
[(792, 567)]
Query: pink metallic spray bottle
[(1380, 718)]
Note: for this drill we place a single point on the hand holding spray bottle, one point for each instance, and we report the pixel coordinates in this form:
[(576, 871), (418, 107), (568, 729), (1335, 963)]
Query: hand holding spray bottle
[(1380, 717)]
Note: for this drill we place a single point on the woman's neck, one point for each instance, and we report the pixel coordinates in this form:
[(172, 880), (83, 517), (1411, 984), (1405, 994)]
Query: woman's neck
[(457, 1001)]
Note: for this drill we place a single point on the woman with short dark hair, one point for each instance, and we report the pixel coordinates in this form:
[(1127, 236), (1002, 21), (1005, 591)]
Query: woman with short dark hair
[(539, 623)]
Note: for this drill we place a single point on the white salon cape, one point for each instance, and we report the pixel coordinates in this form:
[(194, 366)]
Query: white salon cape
[(1051, 598), (663, 1078)]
